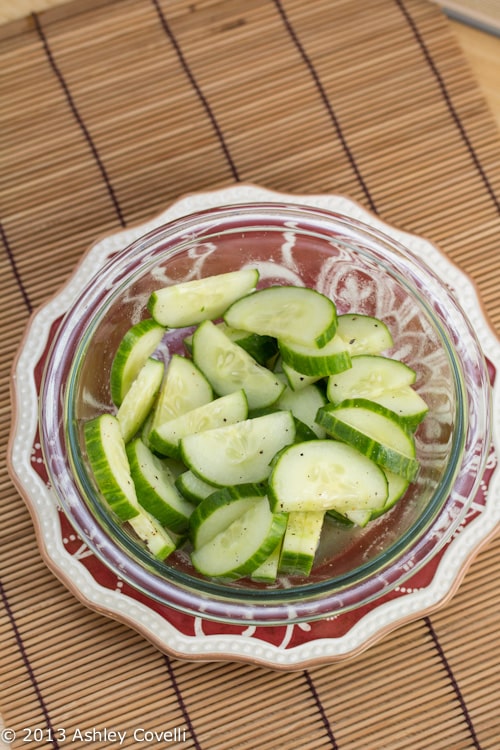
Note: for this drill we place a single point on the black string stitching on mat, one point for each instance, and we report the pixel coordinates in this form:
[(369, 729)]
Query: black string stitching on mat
[(321, 709), (453, 680), (29, 668), (447, 98), (331, 112), (199, 92), (15, 269), (181, 702), (78, 118)]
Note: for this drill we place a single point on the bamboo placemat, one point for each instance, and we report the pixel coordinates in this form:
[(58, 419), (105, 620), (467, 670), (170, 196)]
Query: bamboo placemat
[(112, 110)]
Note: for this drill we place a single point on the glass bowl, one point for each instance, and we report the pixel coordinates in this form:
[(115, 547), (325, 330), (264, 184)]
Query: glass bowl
[(363, 271)]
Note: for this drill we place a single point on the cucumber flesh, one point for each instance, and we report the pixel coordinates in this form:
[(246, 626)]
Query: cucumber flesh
[(324, 474), (297, 314), (155, 488), (140, 398), (230, 368), (297, 380), (157, 539), (370, 376), (108, 460), (226, 410), (364, 334), (239, 453), (408, 406), (192, 487), (244, 545), (219, 510), (191, 302), (386, 381), (138, 344), (267, 572), (300, 542), (304, 405), (374, 431), (332, 358), (184, 388)]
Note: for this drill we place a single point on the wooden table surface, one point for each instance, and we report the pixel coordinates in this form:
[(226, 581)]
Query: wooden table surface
[(481, 49)]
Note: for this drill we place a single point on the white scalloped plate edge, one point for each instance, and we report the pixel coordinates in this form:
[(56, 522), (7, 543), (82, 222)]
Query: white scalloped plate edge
[(243, 647)]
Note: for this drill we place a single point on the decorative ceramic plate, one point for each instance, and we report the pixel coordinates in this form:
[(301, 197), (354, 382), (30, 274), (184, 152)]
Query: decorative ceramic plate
[(184, 636)]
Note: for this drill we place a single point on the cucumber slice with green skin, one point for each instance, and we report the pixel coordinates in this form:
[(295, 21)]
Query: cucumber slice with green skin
[(386, 381), (324, 474), (408, 406), (134, 350), (191, 302), (304, 405), (360, 517), (140, 398), (108, 460), (155, 488), (370, 376), (397, 488), (261, 348), (267, 572), (239, 453), (157, 539), (223, 411), (339, 517), (297, 314), (192, 487), (217, 511), (229, 368), (297, 380), (184, 388), (374, 431), (364, 334), (309, 360), (244, 545), (300, 542)]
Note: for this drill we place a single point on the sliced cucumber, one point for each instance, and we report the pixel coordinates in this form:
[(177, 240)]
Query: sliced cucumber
[(397, 488), (191, 302), (370, 376), (262, 348), (406, 404), (108, 460), (225, 410), (297, 380), (184, 388), (300, 542), (386, 381), (230, 368), (244, 545), (309, 360), (157, 539), (239, 453), (364, 334), (360, 517), (140, 398), (155, 488), (134, 350), (304, 405), (297, 314), (323, 474), (374, 431), (192, 487), (216, 512), (267, 572)]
